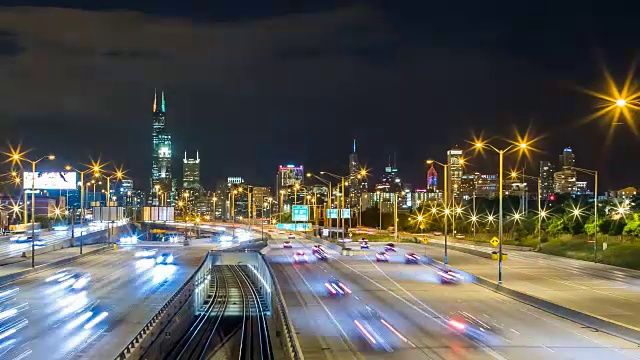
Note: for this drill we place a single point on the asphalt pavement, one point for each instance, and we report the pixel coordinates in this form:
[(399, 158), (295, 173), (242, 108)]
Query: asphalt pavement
[(10, 248), (129, 289), (602, 290), (409, 298)]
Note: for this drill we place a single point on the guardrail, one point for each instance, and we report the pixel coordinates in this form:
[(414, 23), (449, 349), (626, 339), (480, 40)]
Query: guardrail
[(291, 340), (137, 346)]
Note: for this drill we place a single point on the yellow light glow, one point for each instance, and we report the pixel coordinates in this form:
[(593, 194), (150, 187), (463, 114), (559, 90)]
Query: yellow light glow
[(616, 103), (52, 157), (419, 217)]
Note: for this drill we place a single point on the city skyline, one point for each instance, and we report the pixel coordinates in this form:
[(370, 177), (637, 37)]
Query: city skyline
[(532, 86)]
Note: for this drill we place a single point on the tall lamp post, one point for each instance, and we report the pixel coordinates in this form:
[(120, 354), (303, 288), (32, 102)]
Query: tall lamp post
[(541, 213), (342, 180), (330, 195), (214, 208), (379, 209), (118, 174), (18, 157), (594, 173), (446, 207), (95, 168), (501, 152)]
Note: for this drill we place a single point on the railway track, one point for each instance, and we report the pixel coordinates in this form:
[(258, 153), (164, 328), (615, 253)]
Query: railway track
[(232, 319)]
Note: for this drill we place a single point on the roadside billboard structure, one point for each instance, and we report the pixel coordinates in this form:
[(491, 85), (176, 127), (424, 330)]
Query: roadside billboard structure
[(51, 180)]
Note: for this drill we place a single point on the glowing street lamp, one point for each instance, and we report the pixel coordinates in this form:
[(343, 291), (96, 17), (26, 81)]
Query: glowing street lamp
[(17, 157), (522, 145), (446, 208)]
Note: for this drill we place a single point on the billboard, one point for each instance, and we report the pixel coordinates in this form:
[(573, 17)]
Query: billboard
[(157, 213), (51, 180), (300, 213), (333, 213), (111, 213)]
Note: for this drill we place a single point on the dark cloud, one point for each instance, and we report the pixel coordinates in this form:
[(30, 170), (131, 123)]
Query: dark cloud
[(9, 43), (133, 54), (287, 83)]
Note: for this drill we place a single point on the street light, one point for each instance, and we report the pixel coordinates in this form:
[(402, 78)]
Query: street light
[(330, 195), (18, 158), (214, 208), (541, 213), (342, 180), (595, 208), (513, 147), (446, 207)]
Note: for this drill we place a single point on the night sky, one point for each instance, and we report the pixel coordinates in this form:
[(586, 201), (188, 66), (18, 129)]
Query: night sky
[(256, 84)]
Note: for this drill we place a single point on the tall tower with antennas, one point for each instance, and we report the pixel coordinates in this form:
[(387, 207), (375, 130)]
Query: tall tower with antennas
[(355, 188), (161, 157)]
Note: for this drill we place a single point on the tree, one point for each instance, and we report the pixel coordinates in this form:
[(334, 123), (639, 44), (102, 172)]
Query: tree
[(632, 226)]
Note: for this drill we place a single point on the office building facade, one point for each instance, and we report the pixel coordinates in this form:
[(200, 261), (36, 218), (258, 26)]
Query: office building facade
[(564, 182), (487, 186), (290, 175), (191, 172), (546, 179), (454, 160)]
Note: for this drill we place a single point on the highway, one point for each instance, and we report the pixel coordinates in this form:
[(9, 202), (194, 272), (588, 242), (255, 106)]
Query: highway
[(129, 289), (10, 248), (612, 292), (417, 307)]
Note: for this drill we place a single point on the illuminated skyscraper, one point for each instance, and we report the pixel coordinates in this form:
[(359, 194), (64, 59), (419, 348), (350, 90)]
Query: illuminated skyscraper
[(432, 179), (454, 159), (161, 168), (191, 172), (290, 175), (355, 188)]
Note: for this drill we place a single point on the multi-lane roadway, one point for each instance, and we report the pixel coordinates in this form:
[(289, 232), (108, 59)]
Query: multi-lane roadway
[(9, 248), (398, 310), (129, 289)]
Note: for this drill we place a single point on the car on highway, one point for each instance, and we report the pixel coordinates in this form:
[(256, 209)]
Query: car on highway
[(411, 258), (321, 255), (300, 257), (164, 259), (287, 244), (317, 247), (373, 326), (291, 236), (336, 287), (382, 256), (26, 238), (364, 243), (12, 320), (61, 227), (460, 236), (466, 324), (69, 280), (448, 276), (87, 317), (146, 253), (437, 233), (390, 247)]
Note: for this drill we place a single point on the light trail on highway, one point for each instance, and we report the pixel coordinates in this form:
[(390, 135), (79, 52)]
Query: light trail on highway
[(100, 317), (420, 309)]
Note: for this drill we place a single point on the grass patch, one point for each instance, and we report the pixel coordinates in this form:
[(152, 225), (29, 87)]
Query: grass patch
[(621, 254)]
